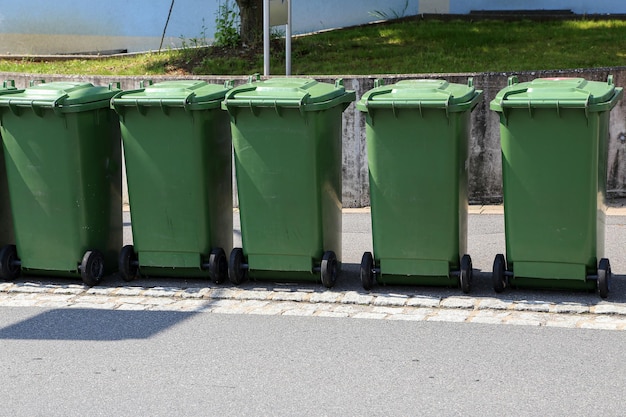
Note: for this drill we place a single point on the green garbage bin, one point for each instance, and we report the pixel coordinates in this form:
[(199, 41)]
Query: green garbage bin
[(554, 137), (287, 142), (7, 236), (417, 135), (178, 155), (63, 161)]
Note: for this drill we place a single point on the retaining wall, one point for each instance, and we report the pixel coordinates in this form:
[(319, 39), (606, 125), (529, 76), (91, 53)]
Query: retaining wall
[(485, 177)]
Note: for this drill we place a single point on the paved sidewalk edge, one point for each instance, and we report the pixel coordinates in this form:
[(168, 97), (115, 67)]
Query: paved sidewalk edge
[(313, 297)]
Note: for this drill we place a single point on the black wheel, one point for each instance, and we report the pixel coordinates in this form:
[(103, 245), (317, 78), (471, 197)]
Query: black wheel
[(604, 277), (92, 267), (128, 263), (329, 269), (499, 277), (367, 271), (466, 274), (218, 265), (9, 268), (236, 272)]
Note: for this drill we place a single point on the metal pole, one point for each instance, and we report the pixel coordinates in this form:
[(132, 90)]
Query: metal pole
[(169, 14), (266, 37), (288, 40)]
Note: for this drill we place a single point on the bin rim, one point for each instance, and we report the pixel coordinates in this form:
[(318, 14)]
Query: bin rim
[(300, 98), (186, 98), (504, 100), (445, 100)]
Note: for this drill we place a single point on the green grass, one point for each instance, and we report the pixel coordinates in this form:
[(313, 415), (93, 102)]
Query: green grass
[(415, 46)]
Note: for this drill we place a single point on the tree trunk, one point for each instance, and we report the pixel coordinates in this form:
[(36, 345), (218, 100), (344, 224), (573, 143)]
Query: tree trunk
[(251, 14)]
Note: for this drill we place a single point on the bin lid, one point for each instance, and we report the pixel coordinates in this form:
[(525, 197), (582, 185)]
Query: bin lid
[(304, 93), (188, 94), (558, 93), (64, 97), (421, 94)]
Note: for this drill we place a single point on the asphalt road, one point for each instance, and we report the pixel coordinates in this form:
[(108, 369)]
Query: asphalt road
[(70, 362)]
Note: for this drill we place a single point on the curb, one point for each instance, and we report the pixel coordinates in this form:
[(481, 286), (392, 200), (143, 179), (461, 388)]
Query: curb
[(291, 302)]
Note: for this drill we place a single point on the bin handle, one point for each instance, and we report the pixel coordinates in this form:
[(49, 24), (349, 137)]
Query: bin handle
[(376, 93), (425, 104), (56, 108), (115, 106), (8, 83), (37, 105), (254, 78), (187, 101), (241, 89), (228, 102), (184, 103)]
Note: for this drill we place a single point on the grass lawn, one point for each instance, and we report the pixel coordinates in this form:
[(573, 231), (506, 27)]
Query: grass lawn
[(403, 47)]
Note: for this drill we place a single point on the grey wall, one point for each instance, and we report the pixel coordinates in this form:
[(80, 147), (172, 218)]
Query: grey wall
[(485, 160)]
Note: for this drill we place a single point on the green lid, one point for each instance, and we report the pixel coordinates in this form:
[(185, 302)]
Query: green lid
[(421, 94), (62, 97), (303, 93), (558, 93), (188, 94)]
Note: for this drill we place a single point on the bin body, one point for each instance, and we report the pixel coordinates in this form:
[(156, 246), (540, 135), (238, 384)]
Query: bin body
[(417, 135), (7, 235), (554, 139), (63, 160), (287, 142), (178, 155)]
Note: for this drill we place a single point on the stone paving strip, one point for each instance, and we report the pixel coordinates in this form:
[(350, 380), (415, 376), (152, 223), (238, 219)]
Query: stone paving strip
[(353, 304)]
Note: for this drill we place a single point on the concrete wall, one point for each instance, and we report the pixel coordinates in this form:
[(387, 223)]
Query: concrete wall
[(485, 179)]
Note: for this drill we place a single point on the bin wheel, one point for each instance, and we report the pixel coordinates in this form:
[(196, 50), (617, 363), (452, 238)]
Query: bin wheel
[(604, 277), (499, 277), (328, 269), (367, 271), (92, 267), (128, 266), (466, 274), (218, 265), (236, 272), (9, 268)]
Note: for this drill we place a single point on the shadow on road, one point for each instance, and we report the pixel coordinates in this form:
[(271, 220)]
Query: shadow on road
[(93, 324)]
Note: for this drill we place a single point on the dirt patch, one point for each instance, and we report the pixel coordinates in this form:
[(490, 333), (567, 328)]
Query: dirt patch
[(189, 59)]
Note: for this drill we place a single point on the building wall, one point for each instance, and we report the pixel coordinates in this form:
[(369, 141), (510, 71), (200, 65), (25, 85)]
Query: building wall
[(67, 26), (71, 26), (577, 6)]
